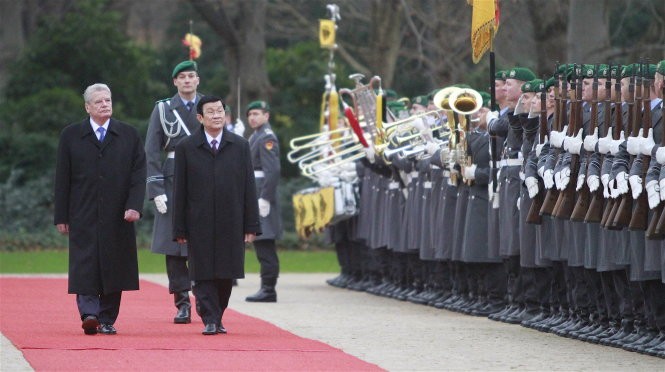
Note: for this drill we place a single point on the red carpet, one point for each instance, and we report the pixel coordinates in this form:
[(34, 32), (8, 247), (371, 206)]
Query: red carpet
[(41, 319)]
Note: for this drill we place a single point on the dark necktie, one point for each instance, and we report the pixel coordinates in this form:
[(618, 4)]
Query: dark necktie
[(190, 104), (102, 132), (213, 144)]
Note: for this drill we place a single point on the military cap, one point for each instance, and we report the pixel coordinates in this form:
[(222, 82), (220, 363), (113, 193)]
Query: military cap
[(603, 71), (390, 93), (588, 71), (531, 86), (629, 70), (261, 105), (396, 106), (500, 75), (184, 66), (420, 100), (521, 73), (548, 83), (660, 68), (486, 98), (651, 71)]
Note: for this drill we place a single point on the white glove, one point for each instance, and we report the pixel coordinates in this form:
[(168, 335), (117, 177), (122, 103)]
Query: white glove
[(557, 180), (548, 178), (633, 144), (491, 116), (264, 207), (325, 179), (605, 179), (647, 144), (522, 176), (539, 147), (518, 203), (660, 155), (653, 192), (662, 189), (593, 182), (531, 186), (580, 182), (635, 185), (556, 138), (621, 183), (614, 145), (239, 128), (432, 147), (565, 178), (445, 155), (470, 172), (541, 171), (370, 154), (590, 141), (604, 143), (349, 176), (574, 144), (160, 203)]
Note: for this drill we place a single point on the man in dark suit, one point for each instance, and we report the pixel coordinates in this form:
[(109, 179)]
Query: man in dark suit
[(99, 191), (215, 209), (172, 120)]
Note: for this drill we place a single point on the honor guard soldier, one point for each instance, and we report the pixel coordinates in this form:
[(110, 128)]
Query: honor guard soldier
[(171, 121), (265, 159)]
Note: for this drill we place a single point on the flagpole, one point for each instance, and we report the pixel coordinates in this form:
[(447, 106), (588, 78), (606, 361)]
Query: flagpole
[(191, 39)]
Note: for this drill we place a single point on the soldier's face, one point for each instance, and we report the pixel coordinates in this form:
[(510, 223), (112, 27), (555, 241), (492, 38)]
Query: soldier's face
[(257, 118), (587, 90), (499, 92), (512, 90), (100, 106), (213, 118), (187, 82), (625, 83)]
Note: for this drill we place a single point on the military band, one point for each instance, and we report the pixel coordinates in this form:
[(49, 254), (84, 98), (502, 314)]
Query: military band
[(570, 238)]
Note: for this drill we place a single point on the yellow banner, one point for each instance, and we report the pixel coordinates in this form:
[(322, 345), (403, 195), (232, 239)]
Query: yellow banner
[(484, 25), (327, 33)]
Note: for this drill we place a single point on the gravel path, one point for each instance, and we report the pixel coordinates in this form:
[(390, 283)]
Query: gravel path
[(400, 336)]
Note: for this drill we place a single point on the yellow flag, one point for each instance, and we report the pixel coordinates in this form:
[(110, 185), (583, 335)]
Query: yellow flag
[(327, 33), (484, 25)]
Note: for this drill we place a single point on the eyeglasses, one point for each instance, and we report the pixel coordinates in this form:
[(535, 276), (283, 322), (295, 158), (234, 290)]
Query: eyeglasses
[(213, 112)]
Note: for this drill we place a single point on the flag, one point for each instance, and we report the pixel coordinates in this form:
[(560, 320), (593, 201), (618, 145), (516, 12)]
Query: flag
[(327, 33), (194, 43), (484, 25)]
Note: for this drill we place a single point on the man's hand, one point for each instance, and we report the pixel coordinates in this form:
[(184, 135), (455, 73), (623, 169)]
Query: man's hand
[(556, 138), (647, 144), (470, 172), (591, 140), (491, 116), (604, 143), (539, 147), (633, 143), (635, 185), (181, 240), (432, 147), (160, 203), (621, 183), (574, 144), (63, 228), (615, 145), (132, 215), (653, 192), (531, 186), (660, 155), (370, 154), (249, 238), (580, 182), (264, 207), (593, 182), (548, 178), (239, 128)]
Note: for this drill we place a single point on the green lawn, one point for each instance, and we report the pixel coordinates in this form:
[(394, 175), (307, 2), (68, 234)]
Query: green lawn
[(47, 262)]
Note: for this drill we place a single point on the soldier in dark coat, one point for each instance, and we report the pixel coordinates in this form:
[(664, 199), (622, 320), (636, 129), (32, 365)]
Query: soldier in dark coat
[(265, 158), (215, 209), (171, 121), (99, 191)]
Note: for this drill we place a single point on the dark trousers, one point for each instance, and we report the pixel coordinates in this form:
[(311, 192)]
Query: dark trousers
[(610, 295), (494, 280), (178, 274), (596, 295), (536, 281), (212, 296), (343, 250), (558, 285), (267, 255), (105, 306)]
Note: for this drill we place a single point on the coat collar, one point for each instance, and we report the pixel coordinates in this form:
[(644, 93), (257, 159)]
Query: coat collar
[(86, 132), (227, 138)]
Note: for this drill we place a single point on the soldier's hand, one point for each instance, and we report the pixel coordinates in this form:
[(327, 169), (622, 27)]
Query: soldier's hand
[(556, 137), (239, 128), (604, 143), (647, 144), (616, 144), (574, 144), (432, 147), (548, 179), (580, 182), (539, 147), (653, 193), (593, 182), (633, 144), (132, 215), (662, 188), (605, 179), (660, 155), (370, 154), (491, 116), (264, 207), (160, 203), (531, 186), (470, 172), (591, 140), (621, 183), (635, 185)]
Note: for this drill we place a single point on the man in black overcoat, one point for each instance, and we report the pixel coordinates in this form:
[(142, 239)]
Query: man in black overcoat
[(99, 190), (215, 209)]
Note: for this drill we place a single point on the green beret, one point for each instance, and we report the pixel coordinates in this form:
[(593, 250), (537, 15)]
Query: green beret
[(660, 68), (262, 105), (420, 100), (548, 84), (521, 73), (486, 98), (396, 106), (603, 71), (184, 66), (615, 72), (500, 75), (588, 71), (227, 108), (390, 93), (562, 69), (628, 70), (531, 86), (651, 71)]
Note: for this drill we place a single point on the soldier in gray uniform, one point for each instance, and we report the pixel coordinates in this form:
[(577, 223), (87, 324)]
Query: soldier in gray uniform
[(171, 121), (265, 159)]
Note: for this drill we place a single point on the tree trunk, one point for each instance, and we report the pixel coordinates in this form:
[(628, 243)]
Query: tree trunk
[(386, 38), (588, 36)]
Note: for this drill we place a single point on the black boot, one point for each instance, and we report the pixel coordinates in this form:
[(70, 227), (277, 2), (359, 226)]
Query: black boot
[(181, 300), (266, 293)]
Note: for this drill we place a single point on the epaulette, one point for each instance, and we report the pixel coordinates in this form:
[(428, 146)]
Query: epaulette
[(269, 131), (163, 100)]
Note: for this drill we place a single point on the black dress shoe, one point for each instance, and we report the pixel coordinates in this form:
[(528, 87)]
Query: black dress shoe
[(220, 328), (183, 315), (210, 329), (90, 324), (106, 329)]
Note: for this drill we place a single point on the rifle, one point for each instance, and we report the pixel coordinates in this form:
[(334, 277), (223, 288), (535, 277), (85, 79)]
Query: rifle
[(640, 220), (552, 194), (595, 212), (584, 195), (660, 228), (625, 211), (534, 216), (612, 207), (566, 202)]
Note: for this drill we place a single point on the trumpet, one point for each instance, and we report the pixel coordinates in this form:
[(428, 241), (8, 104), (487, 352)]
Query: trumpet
[(352, 153), (315, 138), (466, 101), (394, 125)]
